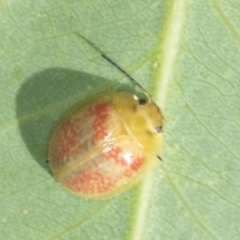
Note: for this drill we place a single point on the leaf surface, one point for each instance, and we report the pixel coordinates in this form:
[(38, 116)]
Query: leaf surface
[(185, 53)]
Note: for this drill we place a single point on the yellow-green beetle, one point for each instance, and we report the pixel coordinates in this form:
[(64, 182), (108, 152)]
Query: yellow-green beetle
[(106, 143)]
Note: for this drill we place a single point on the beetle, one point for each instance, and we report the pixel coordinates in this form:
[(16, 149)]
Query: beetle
[(106, 143)]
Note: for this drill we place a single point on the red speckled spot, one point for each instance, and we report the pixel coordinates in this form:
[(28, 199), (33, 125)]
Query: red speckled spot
[(115, 154), (99, 108), (126, 159), (100, 112), (89, 182), (134, 167), (66, 141), (136, 164)]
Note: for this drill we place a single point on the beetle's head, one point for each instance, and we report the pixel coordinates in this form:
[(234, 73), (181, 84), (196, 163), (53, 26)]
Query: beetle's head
[(142, 119)]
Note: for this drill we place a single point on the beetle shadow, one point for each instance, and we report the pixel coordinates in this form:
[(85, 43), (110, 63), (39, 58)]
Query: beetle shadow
[(44, 97)]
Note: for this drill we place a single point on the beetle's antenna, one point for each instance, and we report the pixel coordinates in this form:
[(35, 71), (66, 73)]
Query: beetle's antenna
[(126, 74), (114, 64)]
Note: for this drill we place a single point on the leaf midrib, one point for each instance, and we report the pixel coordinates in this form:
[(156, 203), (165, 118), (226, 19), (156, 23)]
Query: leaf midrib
[(169, 47)]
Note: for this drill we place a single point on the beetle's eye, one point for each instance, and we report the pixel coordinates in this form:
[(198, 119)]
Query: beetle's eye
[(142, 101), (158, 129)]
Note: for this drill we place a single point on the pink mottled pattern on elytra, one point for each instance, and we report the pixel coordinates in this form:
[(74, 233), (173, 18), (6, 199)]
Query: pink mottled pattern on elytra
[(90, 178)]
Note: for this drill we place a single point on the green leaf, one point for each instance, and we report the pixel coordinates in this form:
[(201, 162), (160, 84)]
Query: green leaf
[(185, 52)]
